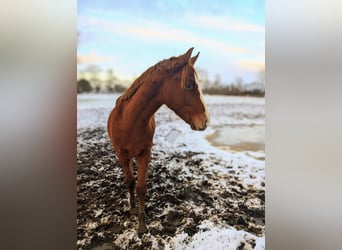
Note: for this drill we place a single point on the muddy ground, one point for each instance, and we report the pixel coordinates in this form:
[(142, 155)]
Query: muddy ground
[(183, 191)]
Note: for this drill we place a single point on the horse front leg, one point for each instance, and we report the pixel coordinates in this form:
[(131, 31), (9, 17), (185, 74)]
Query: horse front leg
[(143, 160), (131, 185), (127, 167)]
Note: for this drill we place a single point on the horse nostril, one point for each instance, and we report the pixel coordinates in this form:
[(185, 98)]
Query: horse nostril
[(206, 122)]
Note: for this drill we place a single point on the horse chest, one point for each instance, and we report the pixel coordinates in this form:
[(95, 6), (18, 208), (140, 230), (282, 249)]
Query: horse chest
[(133, 138)]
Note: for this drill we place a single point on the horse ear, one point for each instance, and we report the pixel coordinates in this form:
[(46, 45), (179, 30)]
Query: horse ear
[(194, 59), (185, 57)]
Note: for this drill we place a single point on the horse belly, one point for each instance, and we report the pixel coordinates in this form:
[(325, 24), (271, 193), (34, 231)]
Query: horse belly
[(127, 136), (131, 141)]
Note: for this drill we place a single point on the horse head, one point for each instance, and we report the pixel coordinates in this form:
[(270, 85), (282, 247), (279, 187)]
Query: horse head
[(184, 95)]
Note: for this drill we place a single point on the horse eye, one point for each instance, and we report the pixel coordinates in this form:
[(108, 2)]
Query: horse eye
[(189, 86)]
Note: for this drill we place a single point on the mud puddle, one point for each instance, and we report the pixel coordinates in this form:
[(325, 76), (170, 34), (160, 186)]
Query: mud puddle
[(239, 138)]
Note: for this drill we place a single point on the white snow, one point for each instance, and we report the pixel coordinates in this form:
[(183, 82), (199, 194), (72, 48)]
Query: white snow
[(174, 135), (212, 237)]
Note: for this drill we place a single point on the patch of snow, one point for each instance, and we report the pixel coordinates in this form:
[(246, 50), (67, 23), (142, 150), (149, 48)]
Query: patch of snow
[(253, 203), (91, 225), (173, 135), (213, 237), (98, 212)]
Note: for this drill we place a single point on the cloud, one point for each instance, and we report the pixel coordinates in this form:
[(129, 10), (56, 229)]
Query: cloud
[(157, 31), (93, 57), (224, 23), (251, 65)]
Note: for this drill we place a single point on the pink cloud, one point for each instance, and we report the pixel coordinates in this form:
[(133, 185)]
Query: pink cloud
[(251, 65), (93, 57)]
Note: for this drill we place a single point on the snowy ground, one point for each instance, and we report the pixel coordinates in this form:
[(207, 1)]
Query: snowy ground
[(199, 196)]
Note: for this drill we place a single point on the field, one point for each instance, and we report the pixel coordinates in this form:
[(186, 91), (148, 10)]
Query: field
[(203, 191)]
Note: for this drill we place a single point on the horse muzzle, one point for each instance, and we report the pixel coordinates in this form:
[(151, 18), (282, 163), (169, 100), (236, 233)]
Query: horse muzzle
[(200, 122)]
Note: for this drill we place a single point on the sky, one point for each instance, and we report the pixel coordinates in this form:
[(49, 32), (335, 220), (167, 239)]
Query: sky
[(128, 36)]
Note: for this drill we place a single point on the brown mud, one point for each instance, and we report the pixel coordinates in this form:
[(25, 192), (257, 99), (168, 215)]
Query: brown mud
[(182, 193)]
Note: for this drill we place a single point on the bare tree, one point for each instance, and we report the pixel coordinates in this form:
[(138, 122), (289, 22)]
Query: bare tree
[(217, 82), (239, 83), (203, 78), (111, 80), (94, 76)]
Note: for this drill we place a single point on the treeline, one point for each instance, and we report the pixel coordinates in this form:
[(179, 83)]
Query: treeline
[(236, 90), (91, 82), (85, 86)]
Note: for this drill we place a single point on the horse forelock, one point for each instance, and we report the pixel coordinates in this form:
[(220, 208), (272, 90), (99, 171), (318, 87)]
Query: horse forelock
[(185, 74), (159, 70)]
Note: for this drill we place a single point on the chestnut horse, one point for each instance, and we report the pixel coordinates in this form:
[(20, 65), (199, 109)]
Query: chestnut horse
[(131, 124)]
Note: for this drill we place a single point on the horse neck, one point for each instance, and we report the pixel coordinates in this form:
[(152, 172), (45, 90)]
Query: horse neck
[(145, 102)]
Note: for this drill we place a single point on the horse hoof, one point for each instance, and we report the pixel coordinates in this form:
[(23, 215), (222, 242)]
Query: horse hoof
[(133, 211), (142, 229)]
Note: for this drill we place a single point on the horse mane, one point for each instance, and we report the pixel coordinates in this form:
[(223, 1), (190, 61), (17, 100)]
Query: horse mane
[(170, 64)]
